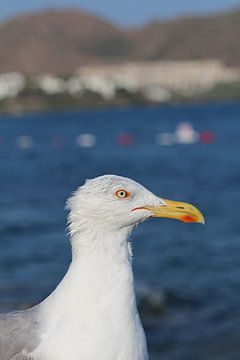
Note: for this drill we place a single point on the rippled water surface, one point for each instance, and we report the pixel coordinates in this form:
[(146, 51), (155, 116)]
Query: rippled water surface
[(187, 275)]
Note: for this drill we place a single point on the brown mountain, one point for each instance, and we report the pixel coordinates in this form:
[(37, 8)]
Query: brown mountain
[(59, 41), (192, 38)]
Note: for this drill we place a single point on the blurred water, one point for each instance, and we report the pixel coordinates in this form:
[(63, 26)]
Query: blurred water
[(195, 269)]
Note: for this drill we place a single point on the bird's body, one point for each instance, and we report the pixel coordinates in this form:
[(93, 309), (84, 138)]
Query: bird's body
[(92, 314)]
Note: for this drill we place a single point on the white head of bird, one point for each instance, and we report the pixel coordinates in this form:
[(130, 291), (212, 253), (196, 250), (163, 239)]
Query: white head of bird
[(111, 203)]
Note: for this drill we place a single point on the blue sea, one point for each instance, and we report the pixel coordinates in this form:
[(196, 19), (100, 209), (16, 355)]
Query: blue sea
[(187, 275)]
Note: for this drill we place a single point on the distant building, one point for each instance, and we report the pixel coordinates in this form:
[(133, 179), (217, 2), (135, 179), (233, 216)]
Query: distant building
[(50, 84), (180, 76), (11, 84), (74, 86), (157, 81), (98, 84)]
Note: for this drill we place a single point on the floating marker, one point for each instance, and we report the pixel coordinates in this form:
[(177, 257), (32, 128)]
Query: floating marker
[(165, 139), (24, 142), (185, 134), (207, 137), (125, 139), (86, 140)]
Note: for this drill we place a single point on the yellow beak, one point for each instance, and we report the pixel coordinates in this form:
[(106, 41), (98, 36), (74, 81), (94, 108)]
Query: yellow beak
[(177, 210)]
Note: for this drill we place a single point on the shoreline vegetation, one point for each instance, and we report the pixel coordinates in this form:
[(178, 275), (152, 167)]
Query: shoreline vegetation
[(35, 100)]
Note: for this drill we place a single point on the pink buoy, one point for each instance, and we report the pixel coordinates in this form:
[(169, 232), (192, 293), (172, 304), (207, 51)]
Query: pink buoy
[(185, 133), (207, 137), (125, 139)]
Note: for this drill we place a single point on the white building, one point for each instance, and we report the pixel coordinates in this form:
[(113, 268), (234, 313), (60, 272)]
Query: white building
[(182, 76), (50, 84), (11, 84)]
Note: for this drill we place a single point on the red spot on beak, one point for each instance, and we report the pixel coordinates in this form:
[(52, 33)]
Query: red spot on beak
[(188, 218)]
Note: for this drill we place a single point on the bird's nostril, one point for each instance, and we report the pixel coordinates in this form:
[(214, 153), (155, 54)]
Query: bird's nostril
[(180, 207)]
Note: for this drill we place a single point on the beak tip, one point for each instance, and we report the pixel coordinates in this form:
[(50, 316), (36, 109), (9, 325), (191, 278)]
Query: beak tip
[(201, 220)]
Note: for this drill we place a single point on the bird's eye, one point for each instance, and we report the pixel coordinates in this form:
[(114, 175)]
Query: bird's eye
[(122, 194)]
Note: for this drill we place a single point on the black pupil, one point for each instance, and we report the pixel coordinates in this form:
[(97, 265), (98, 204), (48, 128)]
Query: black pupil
[(122, 193)]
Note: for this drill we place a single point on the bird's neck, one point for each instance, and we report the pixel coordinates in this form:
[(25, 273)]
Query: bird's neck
[(101, 269), (100, 243), (93, 311)]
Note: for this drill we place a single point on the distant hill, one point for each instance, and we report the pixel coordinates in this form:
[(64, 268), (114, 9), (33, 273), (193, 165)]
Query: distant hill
[(60, 41), (213, 36)]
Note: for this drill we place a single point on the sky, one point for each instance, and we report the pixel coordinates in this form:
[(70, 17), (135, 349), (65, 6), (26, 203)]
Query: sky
[(125, 12)]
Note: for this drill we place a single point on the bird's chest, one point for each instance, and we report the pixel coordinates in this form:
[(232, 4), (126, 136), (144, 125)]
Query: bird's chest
[(93, 334)]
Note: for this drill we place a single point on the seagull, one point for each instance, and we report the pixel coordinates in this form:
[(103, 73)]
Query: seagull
[(92, 314)]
